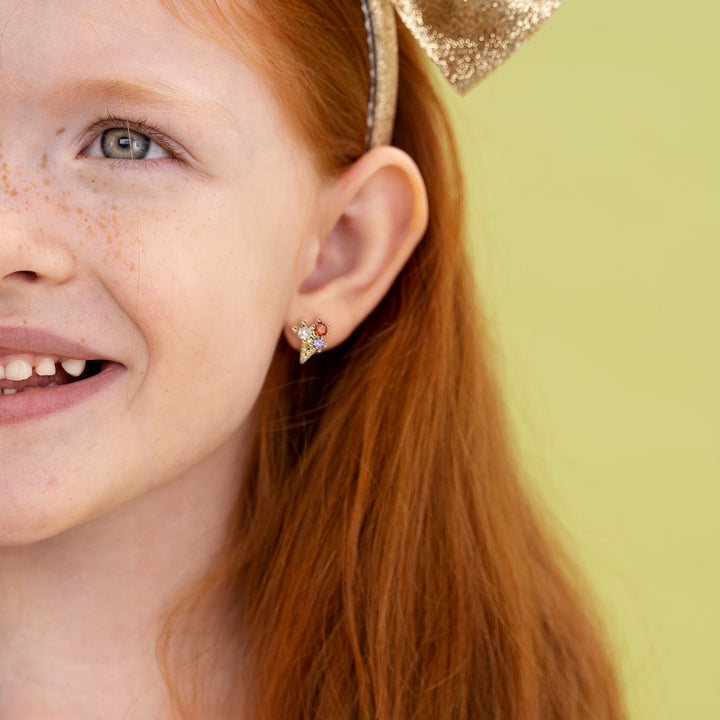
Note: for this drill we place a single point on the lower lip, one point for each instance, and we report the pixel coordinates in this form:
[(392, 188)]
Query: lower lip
[(37, 403)]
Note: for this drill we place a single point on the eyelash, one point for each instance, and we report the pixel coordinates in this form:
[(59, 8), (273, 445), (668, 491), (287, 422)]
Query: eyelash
[(142, 126)]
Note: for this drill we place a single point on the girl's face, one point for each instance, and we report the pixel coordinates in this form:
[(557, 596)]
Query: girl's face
[(153, 210)]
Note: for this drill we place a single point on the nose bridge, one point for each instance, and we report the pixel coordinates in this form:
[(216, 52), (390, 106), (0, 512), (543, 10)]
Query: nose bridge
[(31, 244)]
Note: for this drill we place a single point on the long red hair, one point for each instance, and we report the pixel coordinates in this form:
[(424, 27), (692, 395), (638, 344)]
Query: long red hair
[(383, 561)]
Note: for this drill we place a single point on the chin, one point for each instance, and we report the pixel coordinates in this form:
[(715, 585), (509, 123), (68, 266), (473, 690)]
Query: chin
[(36, 506), (21, 530)]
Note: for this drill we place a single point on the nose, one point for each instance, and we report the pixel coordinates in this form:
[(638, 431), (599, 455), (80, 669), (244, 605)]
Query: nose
[(32, 261), (31, 251), (28, 262)]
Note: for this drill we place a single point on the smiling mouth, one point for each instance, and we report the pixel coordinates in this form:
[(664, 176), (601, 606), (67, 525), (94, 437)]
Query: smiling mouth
[(18, 375)]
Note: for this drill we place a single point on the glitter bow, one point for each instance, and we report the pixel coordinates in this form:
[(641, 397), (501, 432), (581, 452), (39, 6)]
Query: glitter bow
[(466, 39)]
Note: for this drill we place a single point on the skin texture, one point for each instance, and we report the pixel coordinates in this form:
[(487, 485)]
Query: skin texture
[(183, 270), (130, 254)]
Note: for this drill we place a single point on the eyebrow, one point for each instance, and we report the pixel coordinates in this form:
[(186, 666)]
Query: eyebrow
[(160, 94)]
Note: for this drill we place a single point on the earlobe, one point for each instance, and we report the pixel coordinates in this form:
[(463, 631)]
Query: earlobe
[(377, 211)]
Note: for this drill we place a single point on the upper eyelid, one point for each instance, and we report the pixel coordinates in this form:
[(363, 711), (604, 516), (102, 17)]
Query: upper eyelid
[(141, 126)]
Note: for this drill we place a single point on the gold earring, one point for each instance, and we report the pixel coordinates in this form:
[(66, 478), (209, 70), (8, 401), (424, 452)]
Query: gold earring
[(312, 337)]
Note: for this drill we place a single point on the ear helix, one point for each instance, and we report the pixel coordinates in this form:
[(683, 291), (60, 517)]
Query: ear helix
[(313, 338)]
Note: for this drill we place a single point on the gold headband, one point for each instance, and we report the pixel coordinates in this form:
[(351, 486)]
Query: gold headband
[(466, 39)]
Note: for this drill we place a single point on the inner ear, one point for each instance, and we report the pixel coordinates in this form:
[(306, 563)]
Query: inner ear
[(383, 217), (339, 253)]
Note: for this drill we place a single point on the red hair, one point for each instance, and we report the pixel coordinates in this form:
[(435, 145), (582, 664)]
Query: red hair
[(383, 561)]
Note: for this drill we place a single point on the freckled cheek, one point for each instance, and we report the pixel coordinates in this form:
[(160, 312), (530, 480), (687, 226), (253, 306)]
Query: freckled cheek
[(30, 197), (107, 232), (110, 237), (182, 256)]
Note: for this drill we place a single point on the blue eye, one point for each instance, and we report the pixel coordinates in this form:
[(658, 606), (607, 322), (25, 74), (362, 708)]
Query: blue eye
[(126, 143)]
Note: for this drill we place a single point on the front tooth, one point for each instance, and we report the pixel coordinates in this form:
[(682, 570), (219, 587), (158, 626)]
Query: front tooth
[(45, 367), (73, 367), (2, 372), (18, 369)]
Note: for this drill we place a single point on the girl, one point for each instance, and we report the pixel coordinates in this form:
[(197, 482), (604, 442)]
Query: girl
[(194, 524)]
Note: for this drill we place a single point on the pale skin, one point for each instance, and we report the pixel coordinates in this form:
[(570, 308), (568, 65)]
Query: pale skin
[(184, 273)]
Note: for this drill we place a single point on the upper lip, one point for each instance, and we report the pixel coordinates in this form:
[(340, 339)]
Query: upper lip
[(41, 342)]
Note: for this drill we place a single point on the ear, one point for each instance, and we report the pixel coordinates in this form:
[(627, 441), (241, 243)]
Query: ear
[(376, 212)]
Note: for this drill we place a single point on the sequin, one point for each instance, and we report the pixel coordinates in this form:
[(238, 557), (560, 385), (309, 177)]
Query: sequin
[(467, 39)]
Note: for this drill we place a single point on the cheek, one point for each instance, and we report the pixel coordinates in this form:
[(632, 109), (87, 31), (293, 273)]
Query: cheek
[(209, 297), (212, 252)]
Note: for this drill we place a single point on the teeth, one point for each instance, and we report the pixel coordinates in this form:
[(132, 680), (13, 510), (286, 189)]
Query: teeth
[(18, 369), (9, 391), (72, 367), (45, 367)]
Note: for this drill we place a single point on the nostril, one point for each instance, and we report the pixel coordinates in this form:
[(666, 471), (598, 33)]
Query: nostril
[(24, 275)]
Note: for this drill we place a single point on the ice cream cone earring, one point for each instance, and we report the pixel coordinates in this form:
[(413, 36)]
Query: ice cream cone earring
[(312, 337)]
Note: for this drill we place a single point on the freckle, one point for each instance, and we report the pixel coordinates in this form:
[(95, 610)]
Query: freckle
[(60, 131), (13, 191), (65, 208), (47, 198), (43, 164), (82, 340), (46, 181), (79, 211), (131, 267), (116, 254), (25, 322)]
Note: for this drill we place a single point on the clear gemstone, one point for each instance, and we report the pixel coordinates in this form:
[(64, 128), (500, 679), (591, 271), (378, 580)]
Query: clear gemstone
[(305, 333)]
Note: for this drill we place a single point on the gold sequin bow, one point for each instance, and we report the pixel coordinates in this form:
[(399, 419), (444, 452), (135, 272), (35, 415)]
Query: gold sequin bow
[(466, 39)]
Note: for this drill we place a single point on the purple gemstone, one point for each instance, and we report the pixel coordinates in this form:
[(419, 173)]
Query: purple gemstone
[(318, 343)]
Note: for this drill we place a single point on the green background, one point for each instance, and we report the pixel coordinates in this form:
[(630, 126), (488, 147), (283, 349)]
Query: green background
[(592, 163)]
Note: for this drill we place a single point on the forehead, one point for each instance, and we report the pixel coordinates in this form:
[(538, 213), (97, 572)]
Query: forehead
[(47, 45)]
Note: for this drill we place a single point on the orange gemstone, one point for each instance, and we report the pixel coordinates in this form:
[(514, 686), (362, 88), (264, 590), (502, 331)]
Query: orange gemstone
[(321, 329)]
